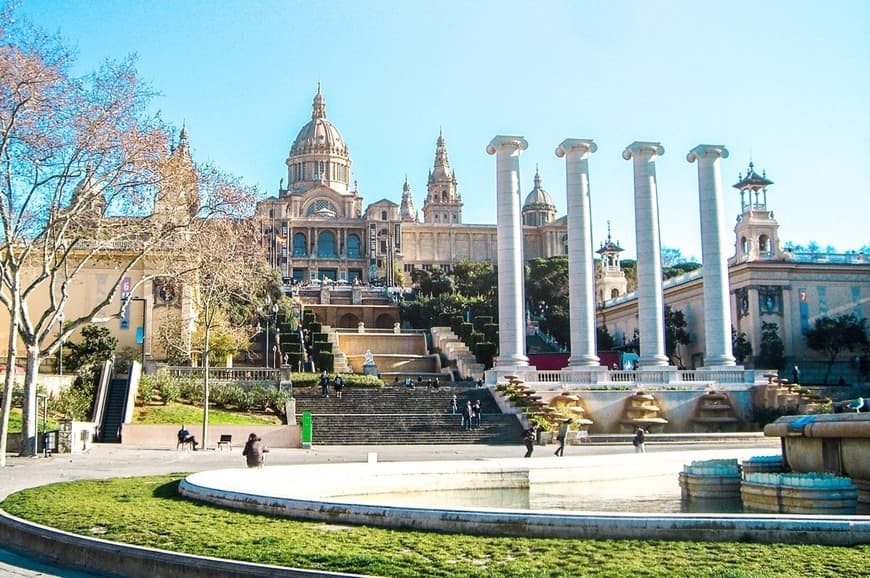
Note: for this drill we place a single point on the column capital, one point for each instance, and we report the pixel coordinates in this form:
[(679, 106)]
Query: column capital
[(640, 148), (703, 150), (584, 145), (518, 143)]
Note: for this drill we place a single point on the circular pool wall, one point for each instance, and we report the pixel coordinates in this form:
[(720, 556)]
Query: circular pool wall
[(319, 492)]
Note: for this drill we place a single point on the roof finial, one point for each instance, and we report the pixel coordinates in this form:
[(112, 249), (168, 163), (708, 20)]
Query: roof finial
[(538, 179), (319, 106), (608, 231)]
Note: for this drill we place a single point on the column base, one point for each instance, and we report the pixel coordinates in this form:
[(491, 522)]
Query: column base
[(653, 361), (584, 361), (719, 362)]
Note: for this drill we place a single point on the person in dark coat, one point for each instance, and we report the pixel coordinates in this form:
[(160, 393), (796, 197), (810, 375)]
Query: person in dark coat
[(529, 439), (254, 451), (639, 440)]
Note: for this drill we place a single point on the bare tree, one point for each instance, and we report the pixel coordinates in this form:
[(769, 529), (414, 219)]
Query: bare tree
[(86, 176), (225, 276)]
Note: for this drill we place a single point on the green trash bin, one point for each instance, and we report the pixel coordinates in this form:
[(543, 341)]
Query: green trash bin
[(306, 430)]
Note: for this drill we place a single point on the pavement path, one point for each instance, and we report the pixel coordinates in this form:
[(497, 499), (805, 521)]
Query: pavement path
[(112, 460)]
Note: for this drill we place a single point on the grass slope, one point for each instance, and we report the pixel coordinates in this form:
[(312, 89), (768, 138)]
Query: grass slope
[(148, 512)]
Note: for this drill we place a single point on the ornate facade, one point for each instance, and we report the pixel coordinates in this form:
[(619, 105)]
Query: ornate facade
[(316, 228)]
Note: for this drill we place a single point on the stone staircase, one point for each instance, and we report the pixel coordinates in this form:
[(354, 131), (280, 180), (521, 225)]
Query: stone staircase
[(399, 415)]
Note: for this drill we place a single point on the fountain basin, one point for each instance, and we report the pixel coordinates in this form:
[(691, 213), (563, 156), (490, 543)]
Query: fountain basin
[(799, 493), (325, 493)]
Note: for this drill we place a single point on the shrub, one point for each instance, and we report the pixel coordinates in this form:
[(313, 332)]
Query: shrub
[(148, 390), (75, 401), (325, 360), (170, 390)]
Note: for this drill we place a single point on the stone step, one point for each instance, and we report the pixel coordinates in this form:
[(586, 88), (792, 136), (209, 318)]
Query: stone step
[(412, 429)]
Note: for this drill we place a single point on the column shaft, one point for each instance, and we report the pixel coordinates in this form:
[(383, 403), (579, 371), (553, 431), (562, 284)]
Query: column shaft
[(581, 275), (511, 300), (717, 301), (651, 315)]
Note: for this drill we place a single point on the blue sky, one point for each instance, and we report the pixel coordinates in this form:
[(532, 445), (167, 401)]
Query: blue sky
[(783, 83)]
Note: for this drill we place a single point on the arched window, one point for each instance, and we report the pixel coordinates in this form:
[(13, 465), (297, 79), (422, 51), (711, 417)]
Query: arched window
[(300, 247), (744, 245), (614, 293), (326, 245), (764, 245), (353, 247)]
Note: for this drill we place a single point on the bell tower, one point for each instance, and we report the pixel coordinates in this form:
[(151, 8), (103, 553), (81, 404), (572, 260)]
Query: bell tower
[(443, 205), (757, 232)]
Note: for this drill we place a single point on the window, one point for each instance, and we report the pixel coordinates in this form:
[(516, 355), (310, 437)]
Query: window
[(764, 244), (383, 215), (326, 245), (299, 245), (353, 247)]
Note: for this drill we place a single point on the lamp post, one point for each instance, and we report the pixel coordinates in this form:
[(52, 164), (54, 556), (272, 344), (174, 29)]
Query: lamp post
[(60, 337), (271, 311)]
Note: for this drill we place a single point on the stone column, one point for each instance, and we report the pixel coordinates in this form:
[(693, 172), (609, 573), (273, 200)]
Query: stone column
[(651, 315), (717, 301), (511, 301), (581, 274)]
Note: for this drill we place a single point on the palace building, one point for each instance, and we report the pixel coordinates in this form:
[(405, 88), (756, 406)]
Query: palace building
[(316, 227)]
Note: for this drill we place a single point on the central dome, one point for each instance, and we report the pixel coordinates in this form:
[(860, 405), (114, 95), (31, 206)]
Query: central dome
[(319, 135)]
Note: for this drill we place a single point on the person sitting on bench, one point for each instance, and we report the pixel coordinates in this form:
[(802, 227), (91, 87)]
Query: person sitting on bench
[(184, 437)]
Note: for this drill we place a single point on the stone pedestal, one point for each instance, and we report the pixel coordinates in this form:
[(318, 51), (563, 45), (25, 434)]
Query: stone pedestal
[(370, 369)]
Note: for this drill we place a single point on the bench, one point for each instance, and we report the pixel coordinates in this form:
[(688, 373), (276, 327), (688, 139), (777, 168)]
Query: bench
[(226, 441)]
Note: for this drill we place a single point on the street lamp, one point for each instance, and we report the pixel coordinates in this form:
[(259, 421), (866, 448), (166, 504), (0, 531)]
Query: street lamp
[(60, 337), (271, 311)]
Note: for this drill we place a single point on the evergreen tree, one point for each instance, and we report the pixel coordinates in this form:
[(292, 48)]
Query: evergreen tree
[(772, 354)]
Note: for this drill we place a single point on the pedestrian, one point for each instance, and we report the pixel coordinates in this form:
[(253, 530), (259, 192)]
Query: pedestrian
[(529, 439), (255, 451), (795, 374), (437, 384), (639, 440), (467, 413), (324, 384), (479, 382), (339, 385), (561, 436), (455, 405), (476, 407)]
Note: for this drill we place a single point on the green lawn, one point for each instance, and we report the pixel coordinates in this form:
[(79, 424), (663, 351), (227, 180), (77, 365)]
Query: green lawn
[(182, 413), (148, 512)]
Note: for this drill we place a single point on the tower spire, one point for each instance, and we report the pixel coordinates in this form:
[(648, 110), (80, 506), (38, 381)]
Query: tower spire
[(319, 105)]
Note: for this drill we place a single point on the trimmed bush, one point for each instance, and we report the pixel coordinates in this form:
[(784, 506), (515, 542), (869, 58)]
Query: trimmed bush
[(325, 360)]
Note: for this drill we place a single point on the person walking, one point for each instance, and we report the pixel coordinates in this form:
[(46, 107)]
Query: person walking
[(796, 374), (561, 436), (454, 408), (467, 413), (476, 408), (529, 439), (324, 384), (639, 440), (338, 383)]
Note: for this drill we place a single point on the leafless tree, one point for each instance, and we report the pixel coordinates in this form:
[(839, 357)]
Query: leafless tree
[(86, 176)]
